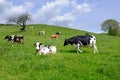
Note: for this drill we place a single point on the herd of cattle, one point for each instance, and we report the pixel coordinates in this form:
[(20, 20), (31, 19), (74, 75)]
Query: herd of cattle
[(77, 41)]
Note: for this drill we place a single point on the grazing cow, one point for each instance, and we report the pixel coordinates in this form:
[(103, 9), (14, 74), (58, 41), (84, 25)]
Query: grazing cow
[(42, 49), (41, 33), (15, 38), (54, 36), (78, 41)]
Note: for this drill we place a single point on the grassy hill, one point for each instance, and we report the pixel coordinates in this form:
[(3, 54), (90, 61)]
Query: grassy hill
[(22, 63)]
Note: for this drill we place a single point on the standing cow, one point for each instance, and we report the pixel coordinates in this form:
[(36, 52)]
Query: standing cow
[(15, 38), (78, 41)]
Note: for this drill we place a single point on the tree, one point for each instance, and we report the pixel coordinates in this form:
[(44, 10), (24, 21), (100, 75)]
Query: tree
[(20, 20), (110, 26)]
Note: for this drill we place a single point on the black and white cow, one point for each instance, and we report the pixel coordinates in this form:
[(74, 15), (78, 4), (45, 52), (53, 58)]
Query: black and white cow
[(44, 49), (41, 33), (78, 41), (15, 38)]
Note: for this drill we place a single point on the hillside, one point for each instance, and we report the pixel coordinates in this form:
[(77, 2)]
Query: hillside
[(22, 63)]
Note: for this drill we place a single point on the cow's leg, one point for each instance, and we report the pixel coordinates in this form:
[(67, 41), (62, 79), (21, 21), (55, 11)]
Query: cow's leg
[(95, 49), (21, 42), (78, 48), (93, 44)]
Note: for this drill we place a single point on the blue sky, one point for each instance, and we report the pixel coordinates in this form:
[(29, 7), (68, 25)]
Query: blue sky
[(78, 14)]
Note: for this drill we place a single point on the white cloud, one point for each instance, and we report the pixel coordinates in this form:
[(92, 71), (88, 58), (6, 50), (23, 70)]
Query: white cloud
[(4, 5), (18, 9), (55, 12), (50, 10), (79, 9), (8, 9)]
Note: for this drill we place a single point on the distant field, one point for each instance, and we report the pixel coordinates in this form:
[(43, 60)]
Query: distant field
[(22, 63)]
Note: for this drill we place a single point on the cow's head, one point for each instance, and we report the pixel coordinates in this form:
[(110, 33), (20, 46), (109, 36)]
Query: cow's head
[(65, 42), (8, 37), (21, 37), (37, 46)]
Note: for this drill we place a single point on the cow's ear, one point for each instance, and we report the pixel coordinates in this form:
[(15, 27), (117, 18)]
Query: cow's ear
[(40, 43), (34, 44)]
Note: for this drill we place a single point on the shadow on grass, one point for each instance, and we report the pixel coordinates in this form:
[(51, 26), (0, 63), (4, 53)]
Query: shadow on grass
[(73, 51)]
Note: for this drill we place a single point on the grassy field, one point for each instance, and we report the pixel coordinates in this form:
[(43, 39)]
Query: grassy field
[(22, 63)]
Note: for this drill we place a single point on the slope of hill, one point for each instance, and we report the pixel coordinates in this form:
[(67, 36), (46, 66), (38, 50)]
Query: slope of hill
[(22, 63)]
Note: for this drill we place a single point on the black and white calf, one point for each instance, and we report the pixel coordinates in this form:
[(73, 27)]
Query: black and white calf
[(42, 49), (15, 38), (78, 41)]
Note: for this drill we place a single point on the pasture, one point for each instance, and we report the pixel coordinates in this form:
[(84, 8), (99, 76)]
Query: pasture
[(22, 63)]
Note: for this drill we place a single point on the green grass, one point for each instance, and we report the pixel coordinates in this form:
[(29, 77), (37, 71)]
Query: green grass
[(22, 63)]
